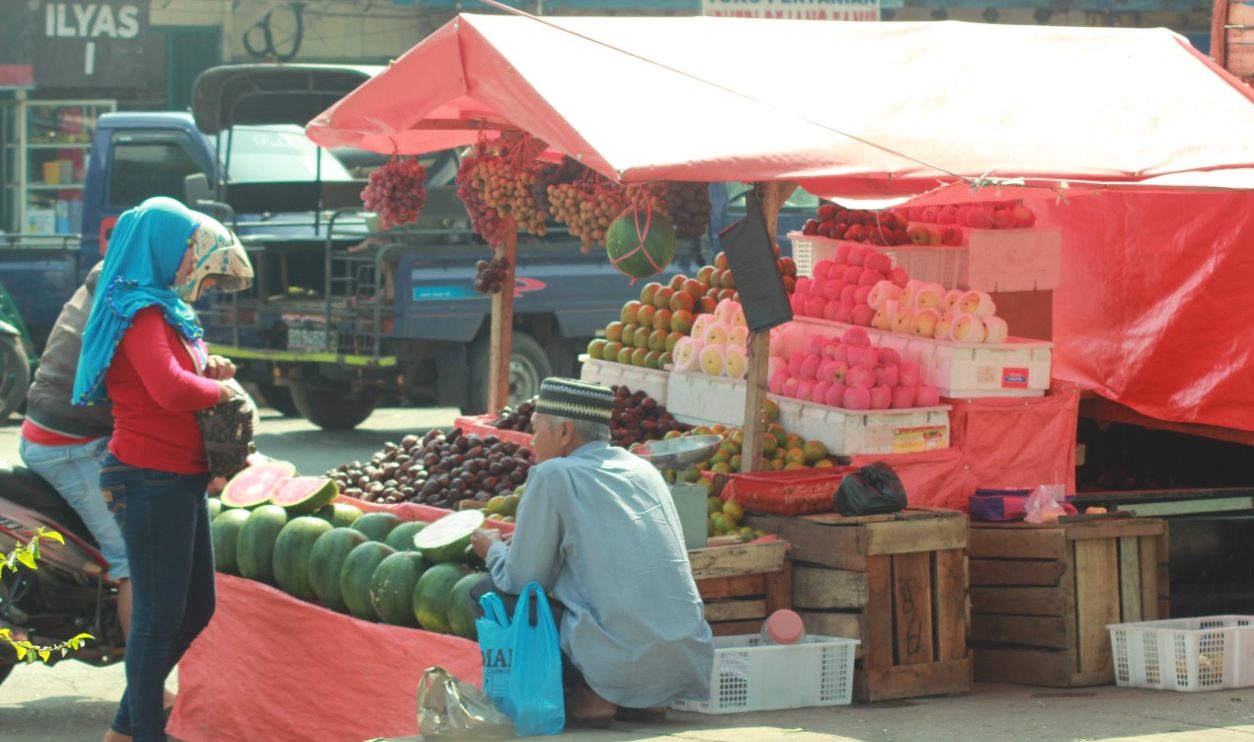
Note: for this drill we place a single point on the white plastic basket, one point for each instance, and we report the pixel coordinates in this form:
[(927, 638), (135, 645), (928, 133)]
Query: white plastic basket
[(1185, 654), (750, 676)]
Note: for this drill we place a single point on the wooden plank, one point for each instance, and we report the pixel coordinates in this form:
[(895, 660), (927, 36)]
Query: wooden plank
[(879, 613), (779, 588), (1046, 632), (735, 610), (732, 587), (836, 519), (818, 588), (912, 536), (1017, 572), (736, 628), (851, 625), (502, 328), (1028, 666), (1151, 591), (912, 606), (755, 424), (1114, 529), (838, 548), (912, 681), (950, 600), (1096, 601), (1016, 543), (1131, 607), (1022, 601), (729, 561)]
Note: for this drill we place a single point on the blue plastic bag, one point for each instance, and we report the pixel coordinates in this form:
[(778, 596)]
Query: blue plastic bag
[(522, 662)]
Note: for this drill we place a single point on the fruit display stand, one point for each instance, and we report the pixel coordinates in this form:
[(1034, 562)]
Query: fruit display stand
[(742, 584), (606, 373), (1043, 595), (896, 582)]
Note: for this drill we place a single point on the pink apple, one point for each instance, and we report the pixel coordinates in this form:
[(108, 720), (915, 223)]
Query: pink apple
[(847, 294), (899, 276), (857, 398), (930, 214), (798, 303), (1003, 219), (810, 368), (878, 261), (860, 376), (870, 277), (795, 360), (852, 274), (778, 379), (903, 397), (862, 294), (814, 306), (881, 397), (835, 394), (886, 375), (814, 344), (887, 356), (862, 315), (830, 310), (951, 236), (856, 336), (908, 373), (839, 371), (842, 352), (831, 290), (827, 371), (857, 255), (1024, 216), (926, 396), (818, 395), (805, 389), (980, 217), (845, 314), (947, 214), (803, 285), (859, 355), (822, 267), (789, 388), (831, 349), (842, 253)]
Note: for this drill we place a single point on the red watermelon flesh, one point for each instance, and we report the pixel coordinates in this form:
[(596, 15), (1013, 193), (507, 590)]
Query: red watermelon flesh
[(305, 494), (257, 484)]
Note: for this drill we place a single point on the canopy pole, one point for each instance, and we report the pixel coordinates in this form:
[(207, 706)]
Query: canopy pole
[(502, 327), (772, 198)]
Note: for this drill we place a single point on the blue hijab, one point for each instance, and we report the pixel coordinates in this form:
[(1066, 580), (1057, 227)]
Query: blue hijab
[(144, 254)]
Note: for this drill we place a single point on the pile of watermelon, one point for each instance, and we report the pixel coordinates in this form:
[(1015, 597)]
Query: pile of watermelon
[(283, 530)]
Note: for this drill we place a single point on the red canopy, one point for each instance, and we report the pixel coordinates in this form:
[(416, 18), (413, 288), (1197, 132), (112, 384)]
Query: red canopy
[(852, 109)]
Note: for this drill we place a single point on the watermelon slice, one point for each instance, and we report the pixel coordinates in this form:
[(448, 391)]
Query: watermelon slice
[(255, 485), (305, 494), (448, 539)]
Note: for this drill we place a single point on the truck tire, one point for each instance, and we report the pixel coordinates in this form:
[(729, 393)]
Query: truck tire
[(14, 375), (528, 366), (333, 410), (279, 398)]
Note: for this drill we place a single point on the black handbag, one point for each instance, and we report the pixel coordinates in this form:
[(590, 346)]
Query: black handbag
[(872, 490), (227, 429)]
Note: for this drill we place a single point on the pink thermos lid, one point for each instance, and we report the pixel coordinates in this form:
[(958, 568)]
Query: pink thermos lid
[(785, 627)]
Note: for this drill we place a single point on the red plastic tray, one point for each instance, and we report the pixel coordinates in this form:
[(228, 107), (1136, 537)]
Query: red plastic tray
[(480, 426), (795, 492)]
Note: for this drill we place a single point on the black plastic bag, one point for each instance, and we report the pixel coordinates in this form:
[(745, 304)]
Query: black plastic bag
[(872, 490)]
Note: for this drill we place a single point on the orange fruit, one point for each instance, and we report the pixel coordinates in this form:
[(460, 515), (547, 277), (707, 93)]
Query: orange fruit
[(644, 317), (614, 331), (720, 261), (681, 321), (648, 292), (628, 315), (683, 301), (662, 320), (663, 298)]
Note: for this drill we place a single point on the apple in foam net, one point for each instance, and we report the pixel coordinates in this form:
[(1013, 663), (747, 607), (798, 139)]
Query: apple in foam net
[(881, 397), (810, 367), (814, 306), (857, 398), (899, 277), (878, 261), (778, 379), (831, 309), (844, 315), (789, 387), (978, 303), (795, 359), (903, 321), (865, 356), (926, 396), (870, 277), (842, 253), (860, 376), (886, 375), (931, 296), (925, 321), (944, 326), (852, 274), (908, 373), (835, 394), (952, 297), (882, 319), (818, 394), (856, 336), (861, 295), (967, 328), (857, 255), (995, 330), (903, 397), (803, 286), (885, 356)]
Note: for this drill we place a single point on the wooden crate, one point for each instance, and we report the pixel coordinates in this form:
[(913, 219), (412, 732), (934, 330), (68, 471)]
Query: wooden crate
[(742, 585), (1042, 596), (896, 582)]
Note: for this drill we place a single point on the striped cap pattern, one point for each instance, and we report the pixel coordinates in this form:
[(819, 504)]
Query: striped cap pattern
[(576, 400)]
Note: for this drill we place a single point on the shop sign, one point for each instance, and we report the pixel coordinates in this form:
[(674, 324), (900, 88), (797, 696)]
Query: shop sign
[(798, 10), (91, 44)]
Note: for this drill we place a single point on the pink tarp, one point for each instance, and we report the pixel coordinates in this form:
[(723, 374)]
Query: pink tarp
[(854, 109)]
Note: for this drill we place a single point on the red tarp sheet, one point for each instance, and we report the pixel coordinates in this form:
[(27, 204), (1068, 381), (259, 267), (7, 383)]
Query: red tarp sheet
[(716, 99)]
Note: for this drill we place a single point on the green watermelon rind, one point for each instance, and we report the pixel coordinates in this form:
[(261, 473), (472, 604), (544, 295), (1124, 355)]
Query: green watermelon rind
[(377, 525), (233, 494), (355, 578), (447, 539), (392, 587), (255, 552), (326, 559), (433, 593), (224, 532), (461, 610), (304, 496), (339, 514), (291, 555), (622, 238), (401, 538)]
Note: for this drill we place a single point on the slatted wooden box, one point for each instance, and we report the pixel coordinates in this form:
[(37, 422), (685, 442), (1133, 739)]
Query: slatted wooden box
[(742, 585), (1042, 596), (897, 582)]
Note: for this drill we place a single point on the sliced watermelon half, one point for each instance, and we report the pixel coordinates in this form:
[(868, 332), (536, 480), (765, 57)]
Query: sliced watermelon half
[(306, 494), (255, 485)]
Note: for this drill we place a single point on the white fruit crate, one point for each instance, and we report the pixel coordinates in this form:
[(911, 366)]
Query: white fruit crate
[(988, 259), (1015, 368), (609, 373), (751, 676), (867, 432), (1185, 654), (701, 399)]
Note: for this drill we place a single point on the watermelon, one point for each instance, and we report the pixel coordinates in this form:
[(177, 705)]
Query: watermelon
[(402, 537), (448, 539), (641, 243), (325, 561), (356, 574), (291, 555), (214, 505), (339, 514), (392, 587), (255, 552), (225, 531), (377, 526), (461, 609), (255, 485), (306, 494), (433, 592)]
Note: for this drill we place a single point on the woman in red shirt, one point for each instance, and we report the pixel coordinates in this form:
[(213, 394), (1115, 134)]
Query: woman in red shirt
[(142, 347)]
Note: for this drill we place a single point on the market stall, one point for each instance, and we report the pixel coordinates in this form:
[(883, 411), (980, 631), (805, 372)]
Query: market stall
[(971, 407)]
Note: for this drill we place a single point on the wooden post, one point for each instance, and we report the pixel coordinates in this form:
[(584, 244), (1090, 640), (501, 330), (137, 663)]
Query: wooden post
[(772, 198), (502, 328)]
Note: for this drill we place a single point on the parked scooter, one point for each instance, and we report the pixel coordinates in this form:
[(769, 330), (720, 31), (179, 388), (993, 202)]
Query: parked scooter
[(68, 594)]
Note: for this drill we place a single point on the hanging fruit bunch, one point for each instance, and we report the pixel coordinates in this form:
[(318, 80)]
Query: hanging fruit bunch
[(496, 183), (490, 275), (396, 191), (688, 205), (587, 207)]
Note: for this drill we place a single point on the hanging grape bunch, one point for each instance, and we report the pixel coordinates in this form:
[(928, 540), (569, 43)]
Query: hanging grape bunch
[(396, 192), (689, 205), (587, 208), (490, 276)]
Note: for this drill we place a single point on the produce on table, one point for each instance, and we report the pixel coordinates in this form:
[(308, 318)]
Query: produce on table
[(355, 575), (639, 418), (225, 531), (396, 192), (461, 610), (641, 242), (917, 225), (402, 537), (718, 345), (434, 591), (305, 494), (377, 526), (326, 559), (255, 549), (448, 539), (392, 587), (339, 514), (504, 507), (516, 419), (256, 484), (291, 555)]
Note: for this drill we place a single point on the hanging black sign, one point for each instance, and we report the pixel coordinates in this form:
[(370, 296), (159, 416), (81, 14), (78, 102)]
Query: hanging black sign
[(91, 44)]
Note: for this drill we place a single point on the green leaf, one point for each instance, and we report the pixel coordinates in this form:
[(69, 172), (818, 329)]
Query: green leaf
[(27, 558), (51, 536), (44, 654), (21, 651)]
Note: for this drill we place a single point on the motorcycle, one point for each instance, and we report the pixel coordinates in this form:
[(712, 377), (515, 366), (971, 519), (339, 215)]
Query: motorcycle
[(68, 594)]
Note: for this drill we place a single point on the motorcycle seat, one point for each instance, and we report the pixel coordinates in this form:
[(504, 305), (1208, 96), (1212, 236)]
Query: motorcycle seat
[(24, 487)]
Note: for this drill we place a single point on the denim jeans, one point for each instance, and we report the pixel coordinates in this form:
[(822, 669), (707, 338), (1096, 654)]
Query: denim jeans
[(75, 473), (165, 522)]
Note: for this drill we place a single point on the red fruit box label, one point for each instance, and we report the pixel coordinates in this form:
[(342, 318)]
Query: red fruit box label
[(1014, 378), (922, 438)]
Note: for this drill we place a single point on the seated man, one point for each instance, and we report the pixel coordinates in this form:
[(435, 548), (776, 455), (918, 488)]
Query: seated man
[(598, 530)]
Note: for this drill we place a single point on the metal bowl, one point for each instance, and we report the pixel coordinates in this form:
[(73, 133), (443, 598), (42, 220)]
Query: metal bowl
[(678, 453)]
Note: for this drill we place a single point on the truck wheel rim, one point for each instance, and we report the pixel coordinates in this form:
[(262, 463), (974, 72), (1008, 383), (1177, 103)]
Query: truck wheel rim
[(524, 380)]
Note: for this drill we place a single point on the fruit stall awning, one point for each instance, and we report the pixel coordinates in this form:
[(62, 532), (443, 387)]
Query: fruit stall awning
[(850, 109)]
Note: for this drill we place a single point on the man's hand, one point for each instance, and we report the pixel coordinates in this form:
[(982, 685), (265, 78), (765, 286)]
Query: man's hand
[(482, 539), (220, 368)]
